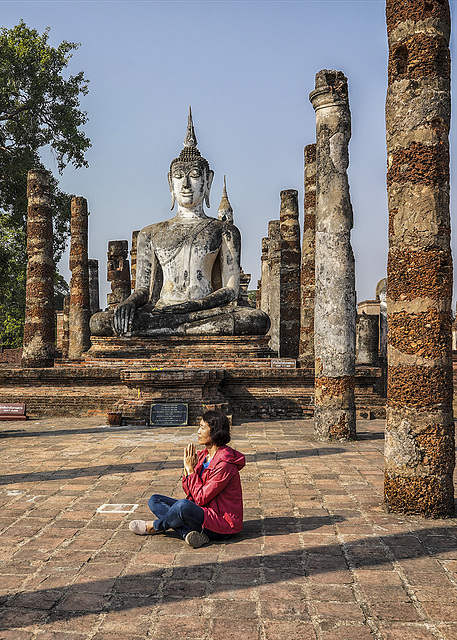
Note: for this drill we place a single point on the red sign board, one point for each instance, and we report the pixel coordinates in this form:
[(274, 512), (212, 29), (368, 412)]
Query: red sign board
[(12, 411)]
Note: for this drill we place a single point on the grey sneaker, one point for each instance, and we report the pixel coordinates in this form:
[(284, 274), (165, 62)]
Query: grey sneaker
[(196, 539)]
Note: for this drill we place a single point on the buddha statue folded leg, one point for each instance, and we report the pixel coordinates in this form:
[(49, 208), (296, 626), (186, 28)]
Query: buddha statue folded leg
[(229, 321), (225, 321)]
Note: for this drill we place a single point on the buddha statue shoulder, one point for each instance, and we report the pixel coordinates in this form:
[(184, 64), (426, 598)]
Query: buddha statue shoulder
[(188, 267)]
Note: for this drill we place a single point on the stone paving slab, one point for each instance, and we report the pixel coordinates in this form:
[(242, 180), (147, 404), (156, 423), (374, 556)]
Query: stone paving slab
[(318, 559)]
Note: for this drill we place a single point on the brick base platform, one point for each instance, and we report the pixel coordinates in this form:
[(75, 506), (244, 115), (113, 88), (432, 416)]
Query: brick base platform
[(128, 375), (249, 393), (198, 388)]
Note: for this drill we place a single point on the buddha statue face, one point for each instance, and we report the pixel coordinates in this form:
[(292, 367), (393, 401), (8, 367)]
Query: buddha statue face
[(190, 184)]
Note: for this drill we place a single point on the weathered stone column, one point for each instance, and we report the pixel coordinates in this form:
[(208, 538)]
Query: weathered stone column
[(289, 323), (59, 331), (66, 326), (419, 447), (274, 279), (334, 302), (243, 297), (306, 347), (133, 253), (367, 339), (94, 288), (264, 277), (79, 283), (258, 294), (381, 295), (118, 272), (39, 328)]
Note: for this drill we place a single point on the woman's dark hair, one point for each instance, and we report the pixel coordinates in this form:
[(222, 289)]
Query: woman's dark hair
[(219, 427)]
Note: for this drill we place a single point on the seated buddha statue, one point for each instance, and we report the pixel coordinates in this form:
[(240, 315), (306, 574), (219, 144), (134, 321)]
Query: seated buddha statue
[(188, 267)]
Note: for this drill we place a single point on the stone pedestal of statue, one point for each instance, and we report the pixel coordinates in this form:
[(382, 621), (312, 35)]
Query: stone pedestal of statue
[(188, 369), (174, 351)]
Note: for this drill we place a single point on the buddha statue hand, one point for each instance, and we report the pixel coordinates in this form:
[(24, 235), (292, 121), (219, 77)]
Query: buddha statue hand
[(123, 317), (125, 311)]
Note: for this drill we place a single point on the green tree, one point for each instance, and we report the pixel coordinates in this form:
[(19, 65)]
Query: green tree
[(39, 108)]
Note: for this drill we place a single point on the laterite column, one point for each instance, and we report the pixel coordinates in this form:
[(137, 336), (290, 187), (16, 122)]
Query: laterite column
[(79, 314), (65, 326), (367, 340), (133, 254), (264, 278), (419, 447), (274, 281), (289, 323), (334, 302), (306, 347), (39, 328), (118, 272), (94, 287)]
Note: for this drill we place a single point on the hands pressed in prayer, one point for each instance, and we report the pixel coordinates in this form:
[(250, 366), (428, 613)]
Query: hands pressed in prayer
[(190, 458)]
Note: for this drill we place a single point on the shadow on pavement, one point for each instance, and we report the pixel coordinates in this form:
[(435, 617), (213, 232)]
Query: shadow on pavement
[(157, 586), (105, 470)]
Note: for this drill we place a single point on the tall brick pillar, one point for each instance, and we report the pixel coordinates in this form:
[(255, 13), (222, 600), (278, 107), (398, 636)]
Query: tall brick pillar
[(306, 347), (274, 281), (381, 295), (420, 427), (79, 284), (264, 278), (94, 287), (133, 253), (118, 272), (243, 297), (39, 328), (334, 302), (258, 294), (65, 326), (289, 323)]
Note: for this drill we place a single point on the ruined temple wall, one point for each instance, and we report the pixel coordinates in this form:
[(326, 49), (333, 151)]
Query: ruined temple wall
[(39, 327), (307, 278), (420, 428), (334, 303)]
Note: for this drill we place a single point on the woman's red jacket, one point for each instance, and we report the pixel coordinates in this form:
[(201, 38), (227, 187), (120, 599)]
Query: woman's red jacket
[(217, 490)]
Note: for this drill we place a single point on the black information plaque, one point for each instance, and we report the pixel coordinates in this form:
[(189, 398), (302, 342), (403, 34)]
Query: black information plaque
[(169, 415)]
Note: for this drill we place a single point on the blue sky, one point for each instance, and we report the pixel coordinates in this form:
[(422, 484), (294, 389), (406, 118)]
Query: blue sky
[(247, 69)]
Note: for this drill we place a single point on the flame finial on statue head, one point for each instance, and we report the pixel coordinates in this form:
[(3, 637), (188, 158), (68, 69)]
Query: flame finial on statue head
[(191, 139), (191, 155)]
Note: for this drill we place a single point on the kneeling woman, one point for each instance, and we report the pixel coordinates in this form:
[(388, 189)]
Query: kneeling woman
[(213, 507)]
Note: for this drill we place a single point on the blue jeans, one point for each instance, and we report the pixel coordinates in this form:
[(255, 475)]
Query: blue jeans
[(181, 515)]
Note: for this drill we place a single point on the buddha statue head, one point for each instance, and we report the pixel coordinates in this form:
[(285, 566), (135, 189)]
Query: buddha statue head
[(190, 177)]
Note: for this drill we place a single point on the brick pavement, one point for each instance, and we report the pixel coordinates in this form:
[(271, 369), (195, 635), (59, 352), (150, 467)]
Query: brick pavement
[(318, 559)]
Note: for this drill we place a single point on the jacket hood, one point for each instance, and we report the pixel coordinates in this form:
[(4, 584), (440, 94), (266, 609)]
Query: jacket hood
[(227, 454)]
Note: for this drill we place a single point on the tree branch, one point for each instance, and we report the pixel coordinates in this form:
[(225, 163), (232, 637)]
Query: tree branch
[(10, 116)]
